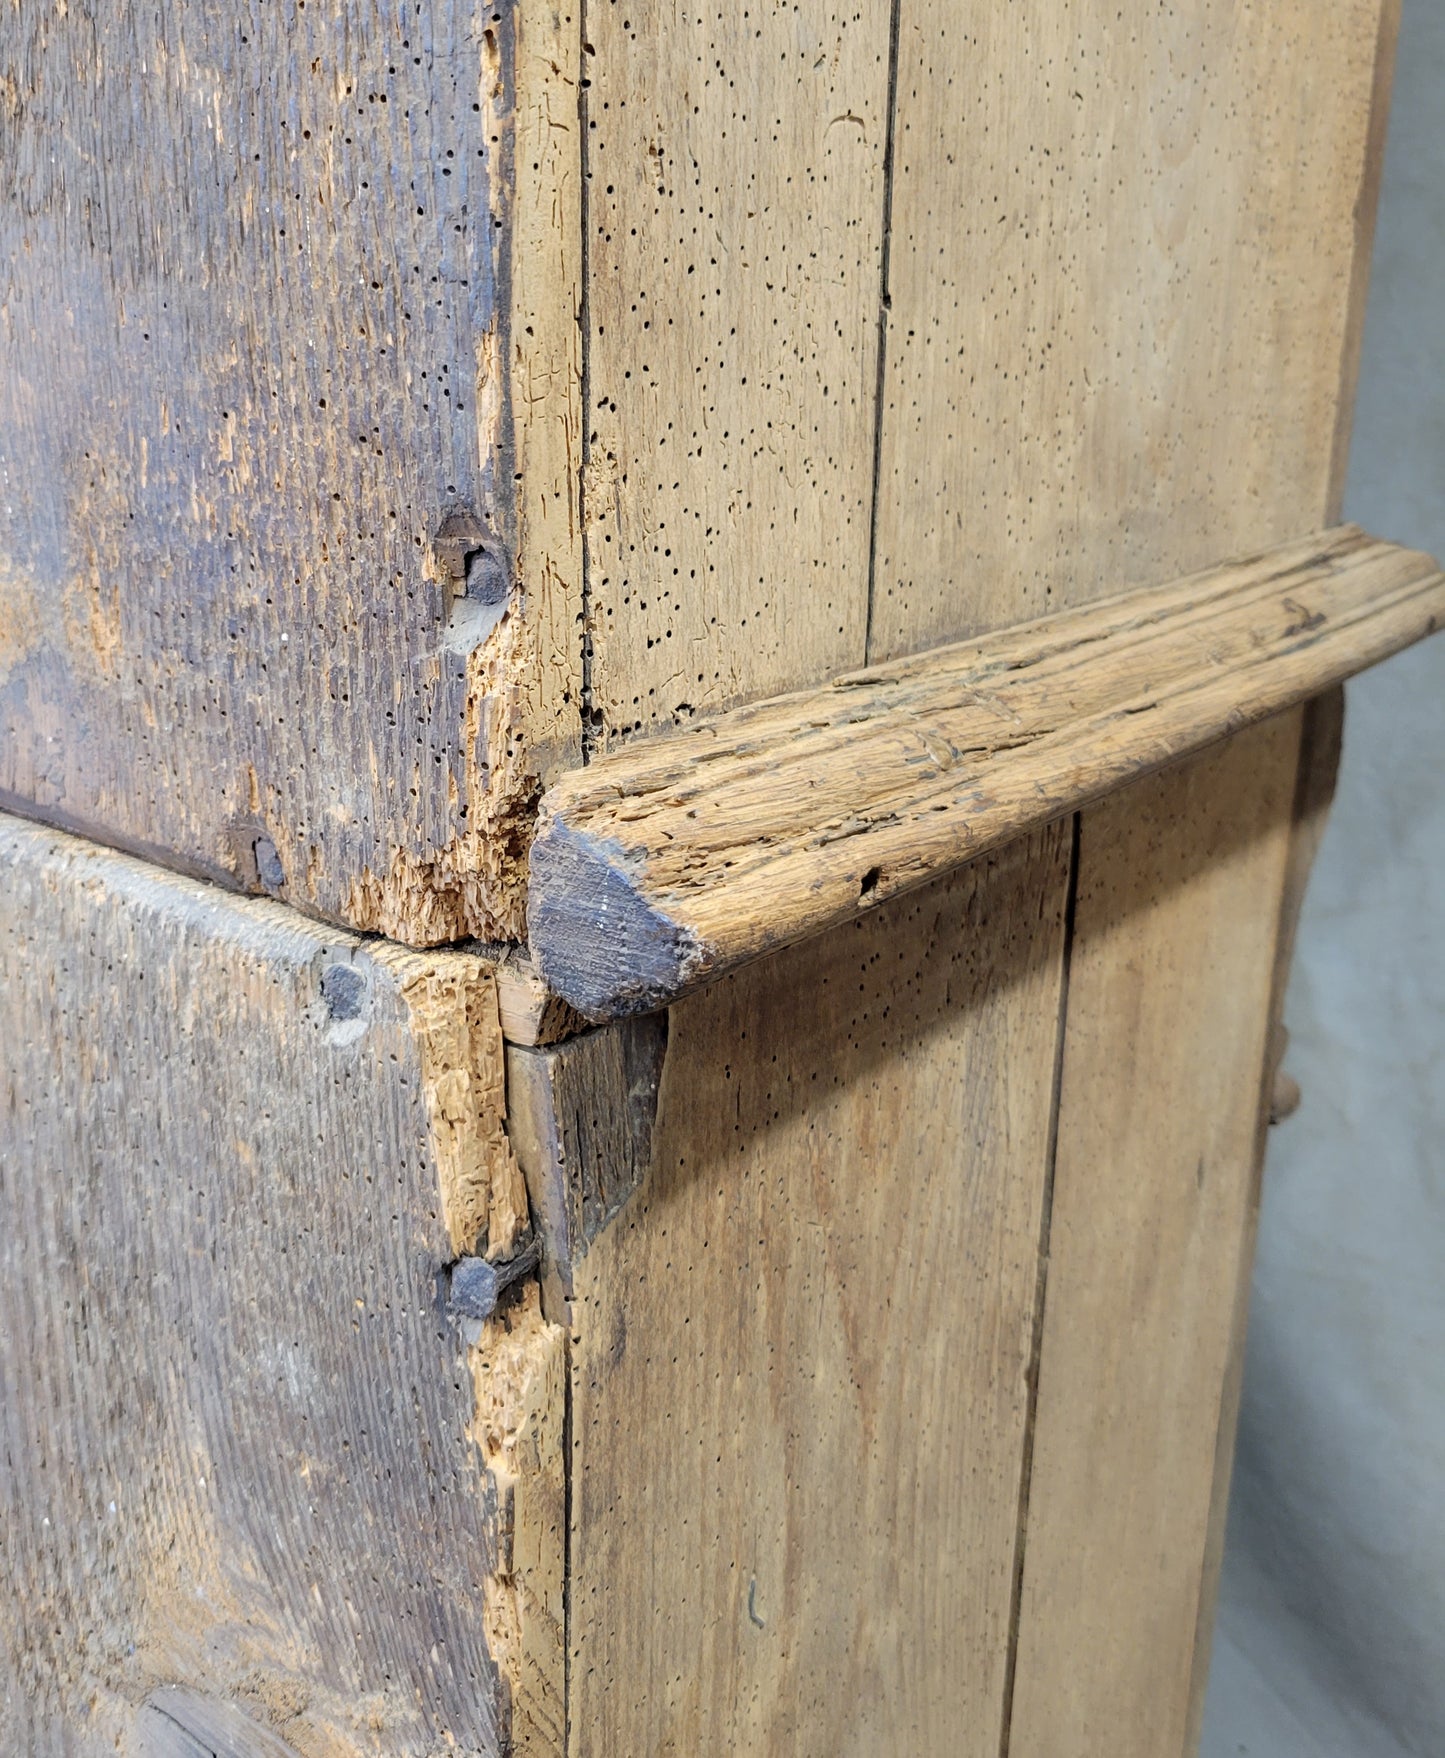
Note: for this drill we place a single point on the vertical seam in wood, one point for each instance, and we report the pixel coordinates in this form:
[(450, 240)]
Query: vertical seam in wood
[(1046, 1211), (567, 1462), (1367, 207), (1305, 790), (584, 319), (884, 299)]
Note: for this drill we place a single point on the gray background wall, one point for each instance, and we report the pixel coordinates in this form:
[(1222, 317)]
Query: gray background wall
[(1331, 1634)]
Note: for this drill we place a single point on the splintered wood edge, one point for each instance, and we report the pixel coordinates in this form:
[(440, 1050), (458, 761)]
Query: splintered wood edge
[(667, 863)]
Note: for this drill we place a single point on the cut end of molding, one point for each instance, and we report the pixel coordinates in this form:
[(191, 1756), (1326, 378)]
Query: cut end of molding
[(599, 943), (664, 864)]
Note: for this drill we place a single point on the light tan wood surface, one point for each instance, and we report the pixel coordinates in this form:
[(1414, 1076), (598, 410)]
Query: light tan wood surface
[(1320, 740), (399, 412), (658, 867), (1122, 279), (735, 200), (1171, 977), (800, 1351), (732, 349)]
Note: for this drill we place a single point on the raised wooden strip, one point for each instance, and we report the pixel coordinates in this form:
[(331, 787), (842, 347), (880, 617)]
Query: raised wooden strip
[(735, 203), (659, 867), (286, 297), (1126, 261), (801, 1348), (234, 1415), (1171, 974)]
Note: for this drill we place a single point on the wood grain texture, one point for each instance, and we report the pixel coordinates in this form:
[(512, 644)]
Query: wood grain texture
[(455, 1020), (1171, 972), (734, 163), (284, 289), (519, 1370), (530, 1013), (1124, 273), (1366, 210), (1322, 727), (235, 1413), (800, 1349), (660, 866), (581, 1117), (176, 1723)]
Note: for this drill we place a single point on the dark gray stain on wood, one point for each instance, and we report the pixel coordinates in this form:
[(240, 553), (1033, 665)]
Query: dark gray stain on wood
[(252, 255), (233, 1410), (176, 1723), (343, 989), (581, 1117), (595, 938)]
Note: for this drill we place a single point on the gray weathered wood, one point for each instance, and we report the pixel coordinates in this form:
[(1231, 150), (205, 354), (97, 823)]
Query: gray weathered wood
[(256, 413), (176, 1723), (234, 1449), (581, 1118)]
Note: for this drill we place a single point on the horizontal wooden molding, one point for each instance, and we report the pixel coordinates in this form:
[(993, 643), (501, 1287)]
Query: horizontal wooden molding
[(661, 866)]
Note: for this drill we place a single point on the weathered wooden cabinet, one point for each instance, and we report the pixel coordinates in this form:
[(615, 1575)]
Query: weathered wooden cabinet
[(760, 590)]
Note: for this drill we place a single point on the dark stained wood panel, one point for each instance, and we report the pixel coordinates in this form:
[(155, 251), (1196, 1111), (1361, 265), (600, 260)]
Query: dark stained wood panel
[(254, 302), (234, 1448)]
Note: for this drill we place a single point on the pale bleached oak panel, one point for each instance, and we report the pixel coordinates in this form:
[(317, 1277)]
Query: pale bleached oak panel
[(734, 222), (1180, 880), (800, 1352), (1123, 283)]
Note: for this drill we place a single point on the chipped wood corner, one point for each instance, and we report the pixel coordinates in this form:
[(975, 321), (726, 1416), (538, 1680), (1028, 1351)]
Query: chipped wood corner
[(532, 1014), (452, 999), (519, 1372), (522, 724)]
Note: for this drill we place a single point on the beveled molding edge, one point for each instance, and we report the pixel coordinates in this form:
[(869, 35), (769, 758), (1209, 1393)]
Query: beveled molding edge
[(667, 863)]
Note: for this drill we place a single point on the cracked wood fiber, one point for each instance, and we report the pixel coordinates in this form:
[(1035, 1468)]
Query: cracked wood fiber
[(661, 865), (801, 1346), (284, 289), (245, 1452)]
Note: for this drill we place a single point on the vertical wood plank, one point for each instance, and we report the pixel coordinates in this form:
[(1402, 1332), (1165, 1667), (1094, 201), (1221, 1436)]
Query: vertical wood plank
[(734, 222), (1322, 725), (1122, 270), (1171, 972), (801, 1350)]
